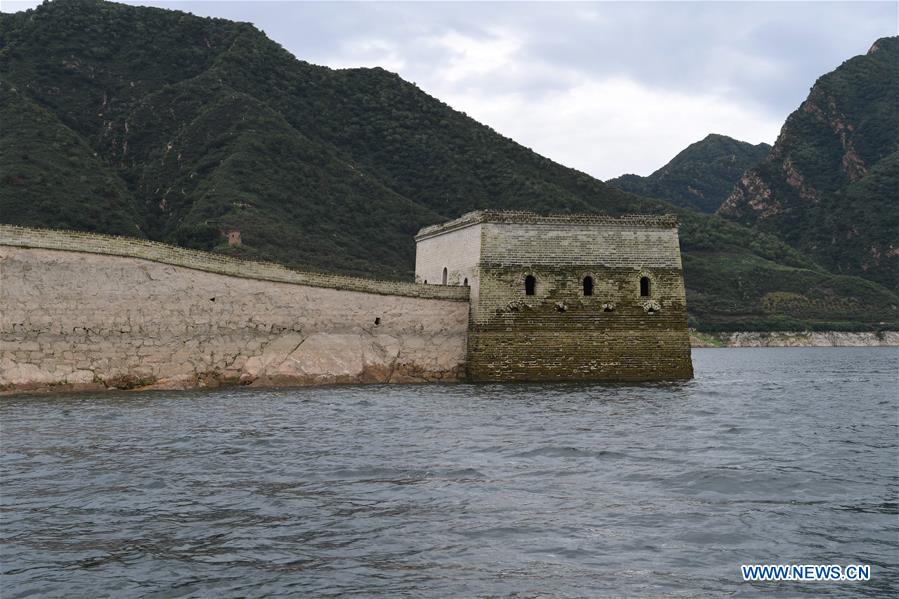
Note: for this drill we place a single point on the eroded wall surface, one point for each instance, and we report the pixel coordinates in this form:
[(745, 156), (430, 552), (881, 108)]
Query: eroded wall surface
[(559, 333), (85, 320)]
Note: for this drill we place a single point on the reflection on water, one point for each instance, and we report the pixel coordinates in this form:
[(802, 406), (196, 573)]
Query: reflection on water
[(768, 456)]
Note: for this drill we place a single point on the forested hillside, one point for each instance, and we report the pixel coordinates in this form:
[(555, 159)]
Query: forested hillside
[(156, 123), (701, 176), (830, 186)]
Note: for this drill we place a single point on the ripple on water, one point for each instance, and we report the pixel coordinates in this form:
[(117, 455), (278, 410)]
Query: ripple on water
[(463, 490)]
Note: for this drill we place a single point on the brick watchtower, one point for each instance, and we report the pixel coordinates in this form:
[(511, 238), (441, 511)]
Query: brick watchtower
[(565, 297)]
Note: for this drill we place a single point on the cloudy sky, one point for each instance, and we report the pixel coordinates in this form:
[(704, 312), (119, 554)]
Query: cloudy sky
[(604, 87)]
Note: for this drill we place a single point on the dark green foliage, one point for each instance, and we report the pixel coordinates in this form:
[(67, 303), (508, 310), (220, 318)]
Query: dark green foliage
[(198, 237), (701, 176), (181, 128), (738, 294), (856, 229), (830, 186), (49, 176)]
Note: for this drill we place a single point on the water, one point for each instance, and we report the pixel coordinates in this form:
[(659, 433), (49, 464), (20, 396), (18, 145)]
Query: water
[(768, 456)]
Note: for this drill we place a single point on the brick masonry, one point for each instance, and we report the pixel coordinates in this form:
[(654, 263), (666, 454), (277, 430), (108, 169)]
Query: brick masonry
[(92, 311), (559, 333)]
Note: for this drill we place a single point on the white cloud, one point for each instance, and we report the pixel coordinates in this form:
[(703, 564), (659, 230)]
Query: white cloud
[(471, 57), (613, 126), (605, 126)]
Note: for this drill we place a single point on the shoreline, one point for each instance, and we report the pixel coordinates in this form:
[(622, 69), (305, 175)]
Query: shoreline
[(699, 339)]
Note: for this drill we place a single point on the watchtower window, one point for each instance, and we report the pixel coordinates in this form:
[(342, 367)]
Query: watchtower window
[(444, 275), (588, 285), (465, 282), (644, 286), (530, 285)]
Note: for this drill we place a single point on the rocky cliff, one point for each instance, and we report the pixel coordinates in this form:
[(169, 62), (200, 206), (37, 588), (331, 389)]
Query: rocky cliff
[(700, 177), (830, 185)]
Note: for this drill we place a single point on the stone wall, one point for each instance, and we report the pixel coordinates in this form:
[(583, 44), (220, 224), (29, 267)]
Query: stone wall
[(514, 217), (458, 251), (559, 333), (103, 318), (90, 311), (612, 245), (215, 263)]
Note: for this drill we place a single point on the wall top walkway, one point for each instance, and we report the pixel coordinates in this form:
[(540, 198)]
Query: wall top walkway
[(468, 219), (127, 247)]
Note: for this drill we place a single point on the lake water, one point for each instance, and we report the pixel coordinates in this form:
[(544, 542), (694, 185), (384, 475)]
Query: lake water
[(572, 490)]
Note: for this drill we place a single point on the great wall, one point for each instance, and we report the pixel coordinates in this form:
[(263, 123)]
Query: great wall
[(82, 311), (86, 311)]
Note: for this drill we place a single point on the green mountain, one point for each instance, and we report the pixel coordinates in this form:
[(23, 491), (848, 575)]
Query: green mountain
[(149, 122), (701, 176), (830, 186)]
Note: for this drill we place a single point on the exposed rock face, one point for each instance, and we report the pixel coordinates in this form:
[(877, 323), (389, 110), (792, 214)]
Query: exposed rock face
[(827, 177), (797, 339), (701, 176), (751, 196), (76, 321)]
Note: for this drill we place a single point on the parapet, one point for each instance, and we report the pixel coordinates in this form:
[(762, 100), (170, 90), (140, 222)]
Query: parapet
[(128, 247), (665, 221)]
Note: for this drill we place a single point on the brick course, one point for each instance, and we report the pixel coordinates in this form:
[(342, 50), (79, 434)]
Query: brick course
[(559, 333)]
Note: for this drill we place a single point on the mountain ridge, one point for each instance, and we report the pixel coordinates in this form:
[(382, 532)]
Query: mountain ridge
[(320, 169), (701, 176)]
